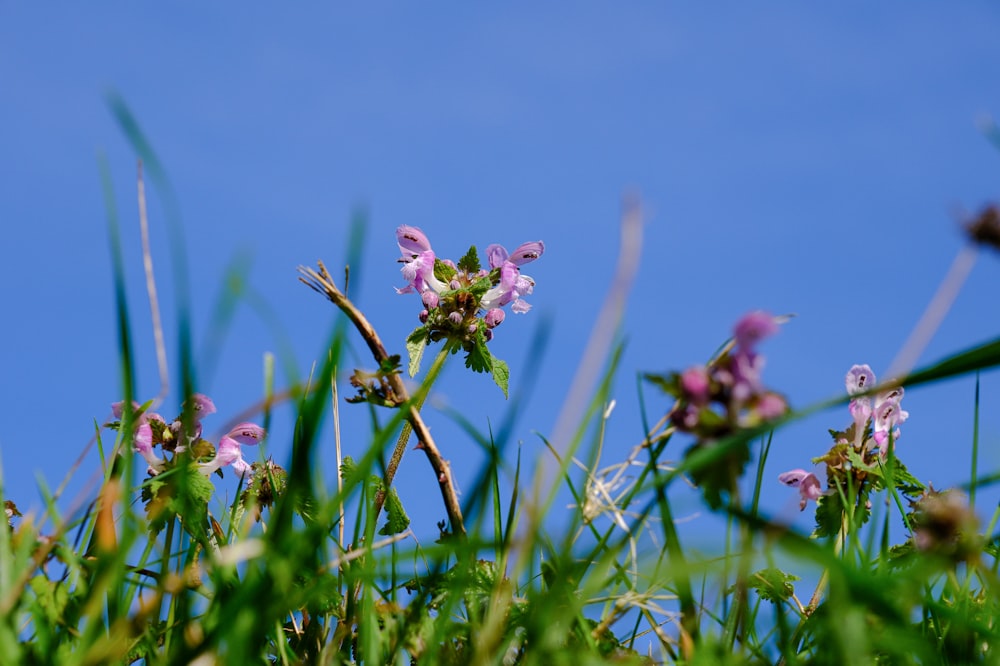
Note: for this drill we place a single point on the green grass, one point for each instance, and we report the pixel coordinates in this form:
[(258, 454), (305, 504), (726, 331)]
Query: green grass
[(295, 569)]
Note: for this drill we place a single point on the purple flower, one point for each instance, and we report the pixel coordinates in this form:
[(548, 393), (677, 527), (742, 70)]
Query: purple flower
[(807, 483), (747, 367), (142, 444), (512, 285), (412, 241), (201, 406), (229, 451), (494, 317), (888, 415), (118, 410), (859, 379), (523, 254), (771, 406), (418, 261), (752, 328), (430, 299), (694, 383)]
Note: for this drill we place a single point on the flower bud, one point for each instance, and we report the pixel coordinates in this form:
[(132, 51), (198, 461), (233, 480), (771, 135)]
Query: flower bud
[(494, 317)]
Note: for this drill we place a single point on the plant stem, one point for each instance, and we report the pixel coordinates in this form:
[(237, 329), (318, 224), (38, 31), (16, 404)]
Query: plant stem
[(320, 281), (404, 435)]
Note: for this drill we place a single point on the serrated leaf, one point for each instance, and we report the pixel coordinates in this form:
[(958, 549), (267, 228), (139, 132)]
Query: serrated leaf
[(480, 287), (905, 482), (416, 343), (470, 262), (479, 358), (829, 515), (183, 493), (443, 271), (397, 520), (720, 478), (501, 375), (772, 584)]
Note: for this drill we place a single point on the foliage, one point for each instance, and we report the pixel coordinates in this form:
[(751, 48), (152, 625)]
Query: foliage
[(291, 572)]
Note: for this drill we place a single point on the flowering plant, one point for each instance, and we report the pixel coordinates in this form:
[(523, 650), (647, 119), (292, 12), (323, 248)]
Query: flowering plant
[(463, 302)]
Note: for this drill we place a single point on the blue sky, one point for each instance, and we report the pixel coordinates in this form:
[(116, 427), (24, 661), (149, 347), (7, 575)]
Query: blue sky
[(802, 159)]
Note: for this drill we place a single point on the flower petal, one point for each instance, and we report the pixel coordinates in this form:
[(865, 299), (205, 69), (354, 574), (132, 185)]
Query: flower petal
[(859, 379), (411, 240), (246, 433), (527, 252)]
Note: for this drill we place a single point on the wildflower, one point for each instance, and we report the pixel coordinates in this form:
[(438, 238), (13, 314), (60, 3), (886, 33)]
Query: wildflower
[(747, 365), (512, 285), (455, 295), (494, 317), (807, 483), (229, 451), (118, 411), (752, 328), (142, 444), (888, 415), (771, 406), (200, 406), (418, 261), (695, 385), (860, 378)]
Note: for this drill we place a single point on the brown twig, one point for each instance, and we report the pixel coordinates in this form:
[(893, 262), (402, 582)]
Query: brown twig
[(320, 281)]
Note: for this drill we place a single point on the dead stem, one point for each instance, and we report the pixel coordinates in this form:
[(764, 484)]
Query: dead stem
[(321, 282)]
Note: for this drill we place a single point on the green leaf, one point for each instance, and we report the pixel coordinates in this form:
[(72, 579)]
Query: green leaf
[(772, 584), (416, 343), (182, 493), (905, 482), (829, 515), (470, 262), (480, 287), (443, 271), (479, 358), (721, 476), (501, 375), (397, 521), (52, 598)]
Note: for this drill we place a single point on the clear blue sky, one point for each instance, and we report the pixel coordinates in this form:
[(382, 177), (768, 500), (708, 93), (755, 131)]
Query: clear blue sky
[(803, 159)]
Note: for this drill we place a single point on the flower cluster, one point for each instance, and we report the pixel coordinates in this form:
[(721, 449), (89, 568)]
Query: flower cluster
[(885, 411), (184, 434), (729, 393), (875, 425), (454, 295), (719, 400)]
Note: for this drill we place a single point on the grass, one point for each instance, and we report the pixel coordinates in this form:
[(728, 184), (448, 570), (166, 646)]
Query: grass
[(158, 569)]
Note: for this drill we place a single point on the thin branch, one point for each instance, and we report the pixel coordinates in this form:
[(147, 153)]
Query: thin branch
[(321, 282)]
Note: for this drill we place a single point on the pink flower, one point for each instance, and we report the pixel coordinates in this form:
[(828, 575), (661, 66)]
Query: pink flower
[(512, 285), (752, 328), (860, 378), (142, 444), (418, 261), (230, 452), (695, 384), (807, 483), (771, 406)]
